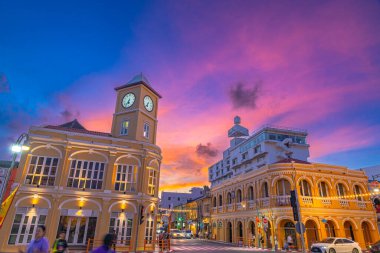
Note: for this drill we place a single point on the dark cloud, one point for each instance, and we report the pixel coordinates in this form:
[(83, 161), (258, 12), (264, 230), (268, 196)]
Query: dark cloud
[(206, 150), (243, 96), (4, 84), (69, 115)]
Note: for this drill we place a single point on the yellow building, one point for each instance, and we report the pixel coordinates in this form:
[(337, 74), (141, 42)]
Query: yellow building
[(334, 201), (89, 183), (194, 215)]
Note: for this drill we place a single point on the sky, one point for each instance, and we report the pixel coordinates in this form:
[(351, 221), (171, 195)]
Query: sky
[(312, 65)]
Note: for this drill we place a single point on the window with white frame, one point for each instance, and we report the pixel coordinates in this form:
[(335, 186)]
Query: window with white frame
[(305, 188), (264, 190), (323, 189), (341, 190), (25, 225), (86, 174), (358, 193), (146, 130), (121, 225), (125, 178), (124, 127), (149, 229), (152, 181), (42, 171), (283, 187)]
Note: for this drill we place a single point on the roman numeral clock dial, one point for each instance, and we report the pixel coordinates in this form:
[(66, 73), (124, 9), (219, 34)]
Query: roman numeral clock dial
[(128, 100), (148, 103)]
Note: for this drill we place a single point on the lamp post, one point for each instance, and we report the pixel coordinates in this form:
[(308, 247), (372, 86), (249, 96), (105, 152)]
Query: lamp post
[(20, 145)]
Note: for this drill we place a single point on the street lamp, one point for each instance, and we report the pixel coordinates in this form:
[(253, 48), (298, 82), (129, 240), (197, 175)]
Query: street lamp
[(21, 144)]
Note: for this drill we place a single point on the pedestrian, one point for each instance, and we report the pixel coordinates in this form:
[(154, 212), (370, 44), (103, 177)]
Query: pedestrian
[(108, 241), (275, 243), (40, 244), (289, 241), (60, 244)]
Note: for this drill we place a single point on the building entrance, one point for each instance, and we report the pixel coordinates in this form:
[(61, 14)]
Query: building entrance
[(77, 229), (121, 226)]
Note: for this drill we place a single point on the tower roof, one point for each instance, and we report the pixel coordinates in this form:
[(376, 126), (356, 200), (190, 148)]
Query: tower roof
[(139, 79)]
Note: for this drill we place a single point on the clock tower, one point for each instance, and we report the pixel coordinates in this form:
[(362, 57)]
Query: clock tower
[(135, 116)]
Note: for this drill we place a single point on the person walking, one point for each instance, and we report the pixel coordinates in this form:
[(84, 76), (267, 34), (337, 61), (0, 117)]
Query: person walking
[(289, 241), (60, 244), (108, 241), (40, 244)]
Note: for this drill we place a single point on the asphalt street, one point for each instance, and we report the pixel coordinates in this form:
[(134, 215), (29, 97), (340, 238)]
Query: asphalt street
[(196, 245)]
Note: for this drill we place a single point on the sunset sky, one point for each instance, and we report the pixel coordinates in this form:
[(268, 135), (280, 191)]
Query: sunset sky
[(313, 65)]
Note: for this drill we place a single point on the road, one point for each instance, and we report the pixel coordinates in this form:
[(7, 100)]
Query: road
[(195, 245)]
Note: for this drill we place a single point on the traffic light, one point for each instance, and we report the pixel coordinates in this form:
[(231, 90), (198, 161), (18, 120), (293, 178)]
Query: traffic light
[(293, 203), (141, 215)]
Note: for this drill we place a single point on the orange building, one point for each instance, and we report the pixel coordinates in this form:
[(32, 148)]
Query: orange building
[(88, 183)]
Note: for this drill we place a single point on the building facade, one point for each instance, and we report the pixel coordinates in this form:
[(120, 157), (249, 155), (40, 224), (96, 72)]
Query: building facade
[(87, 183), (173, 199), (251, 197), (265, 146)]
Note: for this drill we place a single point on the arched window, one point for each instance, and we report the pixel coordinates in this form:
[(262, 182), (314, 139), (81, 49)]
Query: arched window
[(264, 190), (220, 200), (229, 198), (238, 196), (305, 188), (250, 193), (341, 190), (283, 187), (323, 189), (358, 192), (214, 202)]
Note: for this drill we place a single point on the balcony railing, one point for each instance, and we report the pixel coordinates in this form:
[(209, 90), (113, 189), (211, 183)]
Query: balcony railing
[(326, 202), (361, 204), (344, 202), (264, 202), (220, 209), (251, 204), (229, 207), (307, 200), (239, 206), (282, 200)]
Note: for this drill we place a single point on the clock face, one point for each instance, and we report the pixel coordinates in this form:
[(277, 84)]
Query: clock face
[(148, 103), (128, 100)]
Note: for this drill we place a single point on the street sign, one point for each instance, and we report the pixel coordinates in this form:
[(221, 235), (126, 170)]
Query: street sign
[(265, 220), (300, 225)]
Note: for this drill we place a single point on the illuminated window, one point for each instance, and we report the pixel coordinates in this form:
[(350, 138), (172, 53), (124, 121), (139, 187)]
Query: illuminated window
[(86, 174), (323, 189), (341, 190), (124, 127), (42, 171), (146, 130), (358, 193), (149, 229), (125, 178), (121, 226), (152, 182), (25, 224), (305, 188)]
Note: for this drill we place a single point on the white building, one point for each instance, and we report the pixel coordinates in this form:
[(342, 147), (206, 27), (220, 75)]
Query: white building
[(173, 199), (265, 146)]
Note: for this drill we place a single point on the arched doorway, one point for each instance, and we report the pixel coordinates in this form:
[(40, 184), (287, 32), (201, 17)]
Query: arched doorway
[(285, 229), (251, 233), (330, 229), (366, 234), (349, 230), (311, 232), (239, 232), (229, 232), (268, 235)]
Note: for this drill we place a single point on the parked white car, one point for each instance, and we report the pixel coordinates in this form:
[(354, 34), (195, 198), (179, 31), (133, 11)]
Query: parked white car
[(336, 245)]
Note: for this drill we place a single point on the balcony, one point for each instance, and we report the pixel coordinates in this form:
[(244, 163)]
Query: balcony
[(264, 202), (307, 200), (344, 202), (229, 207), (239, 206), (283, 200), (361, 204), (326, 202), (213, 210), (251, 204), (220, 209)]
